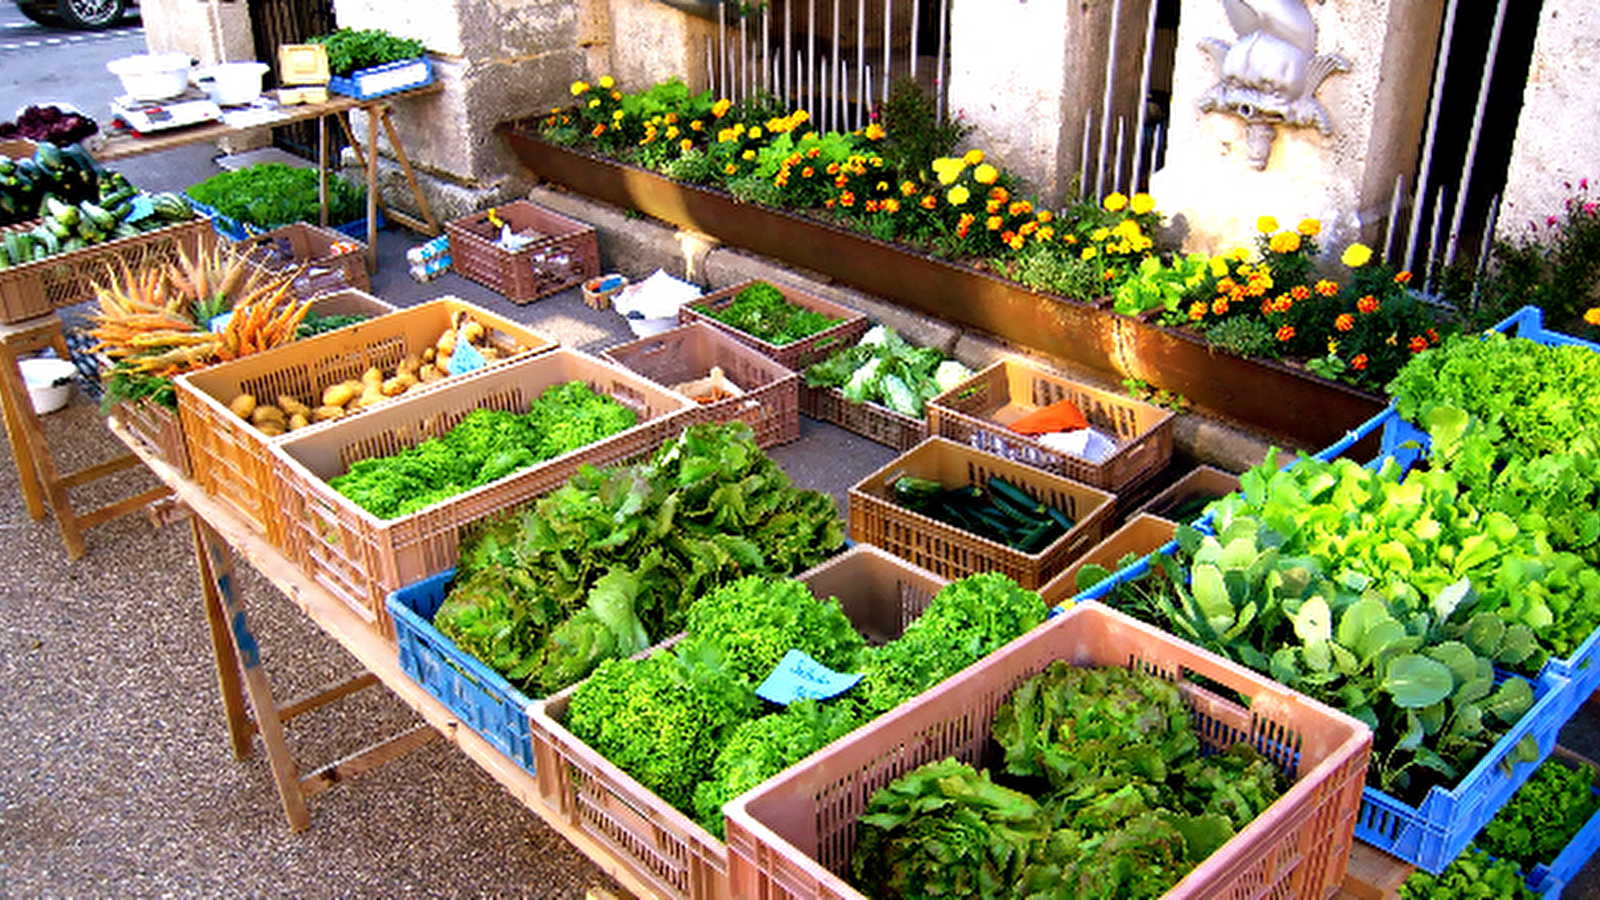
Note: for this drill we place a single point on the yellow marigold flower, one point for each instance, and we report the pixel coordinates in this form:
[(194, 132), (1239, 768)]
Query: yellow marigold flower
[(616, 115), (593, 103), (883, 187), (801, 115), (1198, 310), (697, 125), (607, 82), (730, 168), (1028, 228), (721, 107), (748, 155), (1046, 217), (686, 144), (1285, 242), (1017, 241), (1115, 202), (672, 132), (754, 134), (875, 161), (958, 195), (875, 132), (1100, 234), (1356, 255), (1310, 227), (1266, 224), (1333, 347), (1127, 228), (1592, 315), (985, 174), (973, 157), (1239, 254), (993, 223), (1046, 233), (579, 88), (1326, 288), (1142, 203), (1089, 253), (1219, 267)]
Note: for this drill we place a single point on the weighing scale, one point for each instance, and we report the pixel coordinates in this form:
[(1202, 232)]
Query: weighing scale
[(149, 116)]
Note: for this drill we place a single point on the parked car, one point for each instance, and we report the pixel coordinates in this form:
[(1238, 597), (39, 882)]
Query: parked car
[(78, 13)]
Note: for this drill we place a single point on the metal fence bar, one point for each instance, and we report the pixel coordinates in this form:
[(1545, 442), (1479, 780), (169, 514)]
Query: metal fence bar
[(943, 62), (1105, 109), (1430, 134), (862, 97), (1394, 214), (888, 46), (1477, 129), (1147, 65), (1433, 238)]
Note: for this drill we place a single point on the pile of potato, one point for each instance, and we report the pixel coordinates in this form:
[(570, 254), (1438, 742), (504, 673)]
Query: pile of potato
[(374, 387)]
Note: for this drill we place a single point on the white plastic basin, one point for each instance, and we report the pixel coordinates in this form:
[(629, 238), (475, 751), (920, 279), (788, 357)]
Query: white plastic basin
[(233, 83), (152, 76), (49, 382)]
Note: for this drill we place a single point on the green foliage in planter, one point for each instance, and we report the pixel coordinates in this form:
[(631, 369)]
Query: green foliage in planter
[(1243, 337), (914, 136), (350, 50), (1043, 269), (270, 195)]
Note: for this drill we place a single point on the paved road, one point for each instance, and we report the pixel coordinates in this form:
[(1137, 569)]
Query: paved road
[(39, 64)]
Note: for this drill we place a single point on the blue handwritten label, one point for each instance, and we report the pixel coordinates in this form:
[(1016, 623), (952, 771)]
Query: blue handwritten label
[(799, 677), (465, 358), (142, 208)]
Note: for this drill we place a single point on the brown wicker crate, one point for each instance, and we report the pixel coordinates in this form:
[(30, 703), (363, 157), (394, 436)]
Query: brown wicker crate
[(1201, 481), (66, 279), (565, 254), (873, 421), (770, 404), (796, 355), (952, 552), (792, 837), (327, 267), (977, 411), (229, 456), (360, 558), (658, 844), (1141, 535)]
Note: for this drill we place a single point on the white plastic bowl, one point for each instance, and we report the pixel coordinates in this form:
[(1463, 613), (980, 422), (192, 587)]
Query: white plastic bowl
[(152, 76), (233, 83), (49, 382)]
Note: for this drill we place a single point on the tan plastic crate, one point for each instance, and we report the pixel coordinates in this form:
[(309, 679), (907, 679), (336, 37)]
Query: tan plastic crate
[(873, 421), (33, 289), (978, 411), (1201, 481), (361, 558), (793, 836), (796, 355), (1141, 535), (228, 456), (644, 834), (565, 254), (770, 404), (952, 552), (315, 248)]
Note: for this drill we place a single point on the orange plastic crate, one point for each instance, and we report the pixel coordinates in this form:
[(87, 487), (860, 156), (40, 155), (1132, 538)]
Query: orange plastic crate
[(564, 254), (873, 421), (793, 836), (361, 558), (33, 289), (978, 411), (954, 553), (770, 404), (315, 247), (655, 842)]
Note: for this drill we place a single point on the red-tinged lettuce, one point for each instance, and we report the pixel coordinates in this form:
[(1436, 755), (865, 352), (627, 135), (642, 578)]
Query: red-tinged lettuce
[(945, 830)]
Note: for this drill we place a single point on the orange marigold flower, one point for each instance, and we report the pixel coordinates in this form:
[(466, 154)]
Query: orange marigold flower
[(721, 107), (891, 205), (832, 169), (813, 153), (1344, 322), (908, 188), (1027, 228), (1310, 227), (1367, 305), (1046, 217), (1017, 241), (929, 202), (1219, 306), (828, 203), (993, 223), (1417, 344), (1284, 242), (1433, 336), (871, 206), (686, 145), (875, 132), (999, 193), (841, 181), (598, 130), (1359, 362), (1286, 333), (1326, 288), (1020, 208), (965, 224), (847, 199), (807, 172), (1226, 285), (1282, 303), (1300, 292), (1198, 310), (1402, 277)]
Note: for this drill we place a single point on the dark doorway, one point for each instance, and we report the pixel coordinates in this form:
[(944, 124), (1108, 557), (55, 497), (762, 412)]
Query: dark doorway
[(276, 22)]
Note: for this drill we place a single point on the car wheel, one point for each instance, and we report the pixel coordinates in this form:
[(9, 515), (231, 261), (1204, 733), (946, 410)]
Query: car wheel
[(92, 13)]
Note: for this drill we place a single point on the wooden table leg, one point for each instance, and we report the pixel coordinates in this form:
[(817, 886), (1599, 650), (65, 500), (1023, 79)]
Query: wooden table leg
[(322, 171), (37, 449), (217, 568), (11, 406), (240, 728), (372, 189), (428, 224)]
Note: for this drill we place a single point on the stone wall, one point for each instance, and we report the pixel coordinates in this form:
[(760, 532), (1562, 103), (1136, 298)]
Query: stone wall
[(1550, 158)]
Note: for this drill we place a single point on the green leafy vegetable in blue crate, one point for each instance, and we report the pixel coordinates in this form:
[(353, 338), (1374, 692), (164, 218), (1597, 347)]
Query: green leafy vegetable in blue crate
[(708, 508), (271, 195), (1474, 875), (883, 368), (762, 311), (1106, 794), (1543, 816), (351, 49), (487, 445)]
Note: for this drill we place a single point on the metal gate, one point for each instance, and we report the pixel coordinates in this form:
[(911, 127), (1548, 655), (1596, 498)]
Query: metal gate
[(275, 22)]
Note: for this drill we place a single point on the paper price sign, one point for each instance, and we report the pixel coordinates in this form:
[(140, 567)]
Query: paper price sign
[(465, 358), (799, 677)]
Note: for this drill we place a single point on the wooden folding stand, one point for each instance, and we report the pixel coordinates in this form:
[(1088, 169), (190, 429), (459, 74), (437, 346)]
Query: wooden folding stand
[(43, 484)]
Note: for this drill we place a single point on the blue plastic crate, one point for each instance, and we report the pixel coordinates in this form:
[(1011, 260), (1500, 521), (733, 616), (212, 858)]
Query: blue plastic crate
[(1550, 880), (390, 78), (480, 696), (235, 230)]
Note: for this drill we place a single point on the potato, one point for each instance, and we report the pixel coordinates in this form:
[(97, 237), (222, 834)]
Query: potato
[(489, 353), (411, 364), (272, 428), (429, 354), (431, 373), (446, 344), (298, 420), (373, 375), (268, 413), (293, 407), (472, 331), (324, 413), (242, 405), (372, 396), (340, 394), (393, 387)]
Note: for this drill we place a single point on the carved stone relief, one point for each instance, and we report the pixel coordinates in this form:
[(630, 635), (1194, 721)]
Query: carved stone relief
[(1270, 75)]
